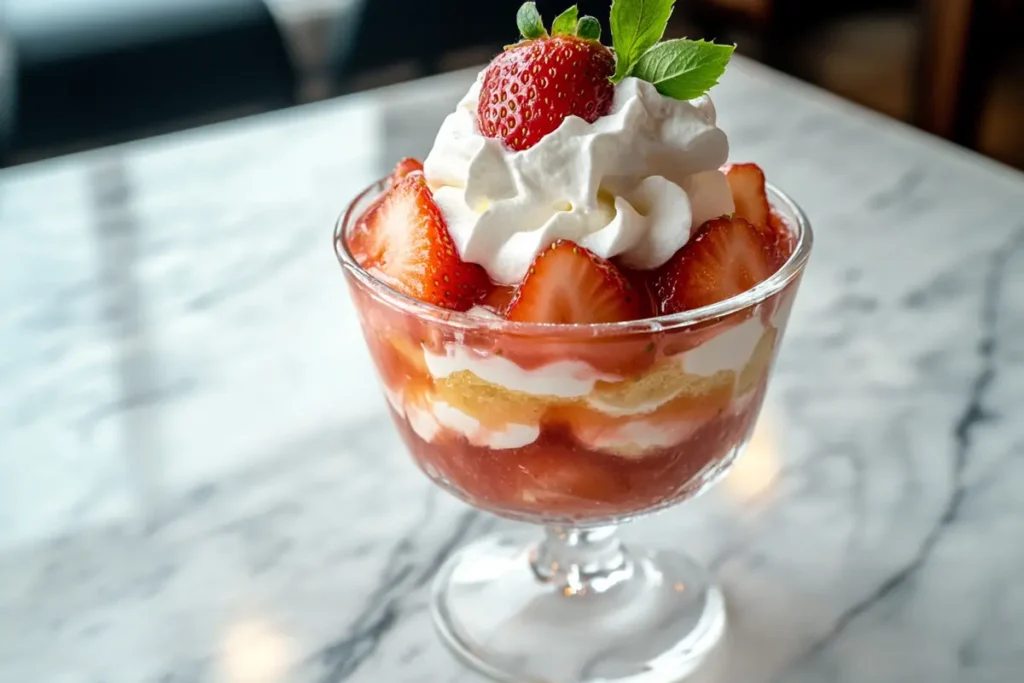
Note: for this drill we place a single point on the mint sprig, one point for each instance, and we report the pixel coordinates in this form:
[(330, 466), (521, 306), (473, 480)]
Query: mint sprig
[(683, 69), (637, 25)]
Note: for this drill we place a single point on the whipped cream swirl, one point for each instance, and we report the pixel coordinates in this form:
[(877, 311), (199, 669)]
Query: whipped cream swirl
[(631, 185)]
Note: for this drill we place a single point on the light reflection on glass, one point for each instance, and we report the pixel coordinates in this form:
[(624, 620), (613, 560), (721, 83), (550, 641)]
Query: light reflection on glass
[(754, 472), (254, 651)]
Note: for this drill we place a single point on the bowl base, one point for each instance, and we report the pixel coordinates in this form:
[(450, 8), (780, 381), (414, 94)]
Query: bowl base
[(656, 621)]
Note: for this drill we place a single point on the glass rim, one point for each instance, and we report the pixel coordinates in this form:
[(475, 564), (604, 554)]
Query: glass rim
[(763, 290)]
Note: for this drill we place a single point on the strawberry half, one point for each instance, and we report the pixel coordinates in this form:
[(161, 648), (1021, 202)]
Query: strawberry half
[(530, 88), (727, 257), (405, 167), (403, 240), (569, 284)]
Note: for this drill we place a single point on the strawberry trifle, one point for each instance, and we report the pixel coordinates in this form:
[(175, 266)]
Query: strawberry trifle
[(573, 301)]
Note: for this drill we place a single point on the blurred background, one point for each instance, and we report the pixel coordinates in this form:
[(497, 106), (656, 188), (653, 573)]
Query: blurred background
[(79, 74)]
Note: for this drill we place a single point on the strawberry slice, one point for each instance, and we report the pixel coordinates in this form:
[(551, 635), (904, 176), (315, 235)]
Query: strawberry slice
[(748, 193), (751, 198), (498, 299), (403, 240), (728, 256), (570, 284), (782, 237), (404, 168)]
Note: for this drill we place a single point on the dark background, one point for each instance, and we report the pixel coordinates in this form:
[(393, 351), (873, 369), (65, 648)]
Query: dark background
[(77, 74)]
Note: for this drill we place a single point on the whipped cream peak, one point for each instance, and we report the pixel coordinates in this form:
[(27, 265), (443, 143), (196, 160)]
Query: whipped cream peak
[(631, 185)]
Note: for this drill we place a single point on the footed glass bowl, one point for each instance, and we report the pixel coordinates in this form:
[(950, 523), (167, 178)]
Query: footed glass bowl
[(577, 428)]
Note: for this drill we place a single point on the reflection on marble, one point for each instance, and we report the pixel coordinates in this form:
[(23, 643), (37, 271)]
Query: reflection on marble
[(199, 482)]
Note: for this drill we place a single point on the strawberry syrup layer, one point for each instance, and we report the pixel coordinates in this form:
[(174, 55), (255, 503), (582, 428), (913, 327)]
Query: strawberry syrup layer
[(557, 477)]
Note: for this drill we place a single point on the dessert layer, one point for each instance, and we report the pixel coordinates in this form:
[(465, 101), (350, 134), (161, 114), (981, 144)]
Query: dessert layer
[(565, 379), (491, 401)]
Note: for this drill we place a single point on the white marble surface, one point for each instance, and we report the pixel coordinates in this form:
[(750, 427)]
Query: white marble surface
[(198, 481)]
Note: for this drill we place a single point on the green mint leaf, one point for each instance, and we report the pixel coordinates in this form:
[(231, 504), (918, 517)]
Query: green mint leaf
[(683, 69), (565, 23), (589, 28), (530, 23), (637, 25)]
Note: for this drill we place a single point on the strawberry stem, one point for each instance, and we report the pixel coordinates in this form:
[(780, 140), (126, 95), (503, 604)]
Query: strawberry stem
[(565, 23), (530, 23), (589, 28)]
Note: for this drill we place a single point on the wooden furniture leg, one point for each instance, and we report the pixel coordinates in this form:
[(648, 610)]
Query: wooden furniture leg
[(960, 52)]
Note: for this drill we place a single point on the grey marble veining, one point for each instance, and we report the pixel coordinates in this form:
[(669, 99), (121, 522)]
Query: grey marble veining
[(198, 480)]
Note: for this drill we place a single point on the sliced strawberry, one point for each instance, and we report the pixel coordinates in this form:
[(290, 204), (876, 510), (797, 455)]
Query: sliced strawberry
[(403, 240), (404, 168), (640, 280), (783, 238), (498, 299), (728, 256), (570, 284), (749, 193)]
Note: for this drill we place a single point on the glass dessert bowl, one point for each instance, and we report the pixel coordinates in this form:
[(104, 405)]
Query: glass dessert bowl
[(574, 307), (577, 428)]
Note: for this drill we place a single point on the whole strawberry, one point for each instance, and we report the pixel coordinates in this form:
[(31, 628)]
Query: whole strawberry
[(530, 88)]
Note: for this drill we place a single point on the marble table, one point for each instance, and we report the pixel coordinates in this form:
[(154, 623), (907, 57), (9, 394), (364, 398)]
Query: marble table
[(199, 482)]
